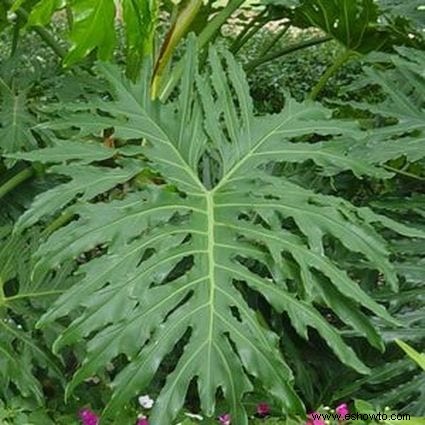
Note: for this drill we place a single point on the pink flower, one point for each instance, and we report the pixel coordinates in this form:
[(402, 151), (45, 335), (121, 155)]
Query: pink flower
[(224, 419), (142, 421), (314, 418), (88, 417), (342, 410), (263, 409)]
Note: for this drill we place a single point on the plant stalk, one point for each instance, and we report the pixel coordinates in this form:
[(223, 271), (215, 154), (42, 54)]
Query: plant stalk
[(329, 73), (173, 37), (32, 295), (206, 35), (250, 66), (268, 46), (15, 39), (250, 29), (2, 296), (45, 35), (403, 173), (69, 16), (58, 222), (209, 32), (16, 180)]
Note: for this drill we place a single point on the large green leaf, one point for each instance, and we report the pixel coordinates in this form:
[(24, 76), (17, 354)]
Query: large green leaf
[(403, 86), (412, 10), (356, 24), (93, 28), (399, 383), (15, 120), (172, 261), (42, 12), (140, 21), (418, 358), (22, 351), (350, 22)]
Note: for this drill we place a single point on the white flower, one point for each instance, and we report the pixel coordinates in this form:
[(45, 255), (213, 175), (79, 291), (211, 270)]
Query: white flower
[(145, 401), (194, 416), (11, 16)]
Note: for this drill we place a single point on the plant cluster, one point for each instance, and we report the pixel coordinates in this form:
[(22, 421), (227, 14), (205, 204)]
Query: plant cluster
[(169, 228)]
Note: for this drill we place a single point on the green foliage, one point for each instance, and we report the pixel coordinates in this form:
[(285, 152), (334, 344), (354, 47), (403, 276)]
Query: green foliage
[(202, 249), (19, 412), (42, 12), (407, 9), (404, 86), (176, 258), (140, 20), (356, 24), (350, 22), (92, 28), (22, 352), (296, 73), (396, 381), (16, 121), (418, 358)]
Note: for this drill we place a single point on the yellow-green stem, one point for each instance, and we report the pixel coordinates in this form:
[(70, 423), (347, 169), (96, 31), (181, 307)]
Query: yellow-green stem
[(285, 51), (46, 36), (404, 173), (330, 72), (32, 295), (251, 28), (177, 31), (63, 219), (279, 34), (16, 180), (206, 35)]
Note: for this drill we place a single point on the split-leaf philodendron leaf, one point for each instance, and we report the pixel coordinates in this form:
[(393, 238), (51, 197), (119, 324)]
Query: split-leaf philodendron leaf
[(169, 256)]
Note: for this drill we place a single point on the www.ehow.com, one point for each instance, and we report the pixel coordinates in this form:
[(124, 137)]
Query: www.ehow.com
[(361, 416)]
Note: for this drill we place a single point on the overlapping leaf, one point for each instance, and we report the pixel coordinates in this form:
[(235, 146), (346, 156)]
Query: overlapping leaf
[(15, 120), (21, 352), (356, 24), (411, 10), (93, 28), (140, 22), (401, 381), (404, 89), (173, 262)]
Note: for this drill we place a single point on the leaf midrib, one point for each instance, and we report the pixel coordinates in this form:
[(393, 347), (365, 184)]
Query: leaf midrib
[(255, 146), (211, 275)]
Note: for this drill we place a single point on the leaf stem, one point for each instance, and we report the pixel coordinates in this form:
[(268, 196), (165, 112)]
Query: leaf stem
[(249, 30), (2, 296), (174, 35), (330, 72), (206, 35), (15, 39), (217, 22), (32, 295), (285, 51), (16, 180), (404, 173), (279, 34), (58, 222), (45, 35)]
